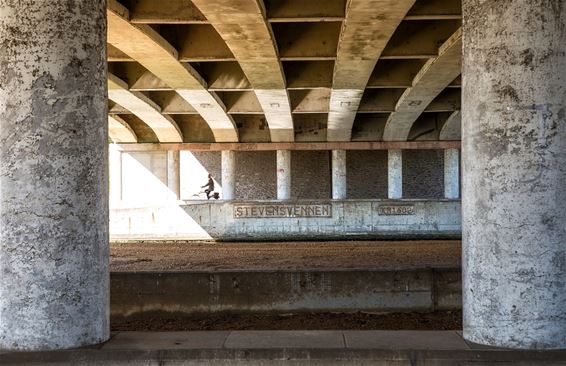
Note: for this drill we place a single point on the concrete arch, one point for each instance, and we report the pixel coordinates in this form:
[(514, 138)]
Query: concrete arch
[(433, 78), (165, 128), (251, 40), (364, 35), (120, 131), (452, 128), (143, 44)]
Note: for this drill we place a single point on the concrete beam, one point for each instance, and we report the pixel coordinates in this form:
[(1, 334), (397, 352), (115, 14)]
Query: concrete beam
[(165, 128), (452, 128), (310, 100), (201, 42), (307, 41), (241, 102), (305, 11), (308, 74), (244, 28), (166, 12), (303, 146), (115, 55), (171, 102), (225, 76), (149, 82), (435, 10), (145, 45), (395, 73), (366, 30), (120, 131), (419, 39), (433, 78)]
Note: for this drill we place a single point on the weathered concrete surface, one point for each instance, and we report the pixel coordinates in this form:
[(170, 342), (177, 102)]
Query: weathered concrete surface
[(283, 174), (367, 28), (228, 174), (156, 54), (451, 174), (53, 174), (264, 291), (283, 348), (339, 175), (514, 149), (174, 174), (437, 219), (243, 26), (395, 174), (431, 80)]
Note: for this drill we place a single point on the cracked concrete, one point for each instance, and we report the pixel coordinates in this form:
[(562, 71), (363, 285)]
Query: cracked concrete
[(514, 149), (53, 174)]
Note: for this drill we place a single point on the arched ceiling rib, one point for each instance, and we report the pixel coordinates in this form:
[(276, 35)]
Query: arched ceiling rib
[(452, 128), (366, 30), (434, 77), (146, 46), (244, 28), (286, 70), (137, 103), (120, 131)]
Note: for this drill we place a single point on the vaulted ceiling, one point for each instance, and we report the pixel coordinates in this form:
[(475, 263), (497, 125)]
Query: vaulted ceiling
[(284, 70)]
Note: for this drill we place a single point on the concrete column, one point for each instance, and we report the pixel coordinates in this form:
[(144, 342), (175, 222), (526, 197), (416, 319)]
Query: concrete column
[(339, 178), (451, 174), (395, 174), (174, 174), (283, 174), (53, 174), (514, 164), (115, 161), (228, 174)]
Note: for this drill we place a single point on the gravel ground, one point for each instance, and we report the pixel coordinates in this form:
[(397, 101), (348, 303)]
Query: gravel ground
[(442, 320), (207, 256)]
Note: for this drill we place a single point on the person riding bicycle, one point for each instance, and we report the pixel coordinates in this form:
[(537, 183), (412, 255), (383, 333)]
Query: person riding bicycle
[(210, 186)]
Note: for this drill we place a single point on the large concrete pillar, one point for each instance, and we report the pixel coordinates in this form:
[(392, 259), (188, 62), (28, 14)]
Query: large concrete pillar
[(451, 174), (339, 178), (53, 174), (514, 164), (174, 174), (283, 174), (395, 174), (228, 174)]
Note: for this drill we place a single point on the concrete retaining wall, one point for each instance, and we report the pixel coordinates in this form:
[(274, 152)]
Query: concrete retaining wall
[(351, 219), (418, 290)]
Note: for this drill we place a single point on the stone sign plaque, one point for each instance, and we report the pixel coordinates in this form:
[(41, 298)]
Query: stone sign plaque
[(396, 210), (281, 211)]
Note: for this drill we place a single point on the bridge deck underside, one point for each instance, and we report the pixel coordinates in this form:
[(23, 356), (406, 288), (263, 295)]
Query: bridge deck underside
[(284, 70)]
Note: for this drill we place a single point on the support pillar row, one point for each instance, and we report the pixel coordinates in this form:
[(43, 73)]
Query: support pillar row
[(53, 174), (283, 174), (228, 174), (174, 174), (339, 177), (514, 165), (395, 174), (451, 174)]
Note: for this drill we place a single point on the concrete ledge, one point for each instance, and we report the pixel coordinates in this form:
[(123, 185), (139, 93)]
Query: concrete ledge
[(345, 220), (267, 291), (289, 348)]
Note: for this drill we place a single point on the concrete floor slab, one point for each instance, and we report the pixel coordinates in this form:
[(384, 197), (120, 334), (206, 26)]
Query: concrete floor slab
[(416, 340), (166, 340), (261, 348), (285, 339)]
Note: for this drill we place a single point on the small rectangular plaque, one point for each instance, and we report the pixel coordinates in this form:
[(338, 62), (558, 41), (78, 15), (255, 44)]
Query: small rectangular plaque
[(281, 211), (396, 210)]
